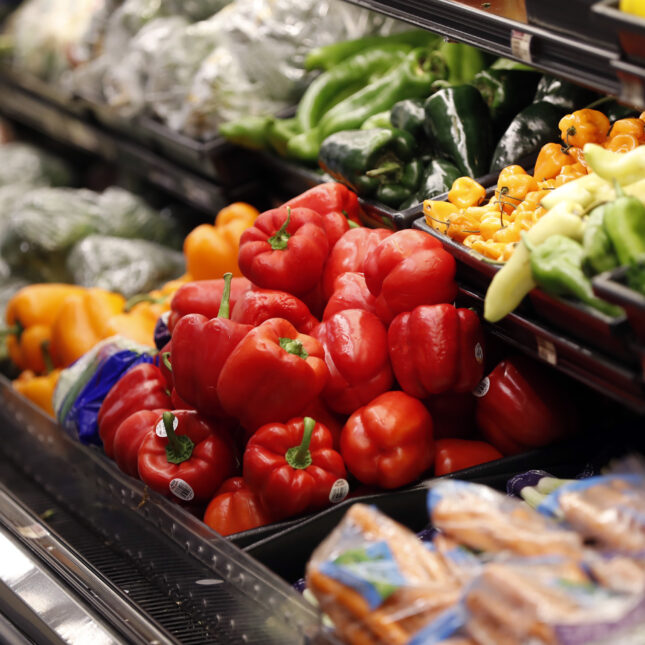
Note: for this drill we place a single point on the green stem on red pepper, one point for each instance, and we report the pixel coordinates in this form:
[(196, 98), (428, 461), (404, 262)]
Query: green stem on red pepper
[(225, 304), (280, 238), (166, 361), (294, 347), (179, 447), (300, 456)]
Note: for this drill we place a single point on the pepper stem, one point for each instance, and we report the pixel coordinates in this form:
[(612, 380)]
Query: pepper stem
[(618, 189), (15, 330), (293, 346), (47, 358), (280, 238), (179, 447), (300, 456), (385, 169), (225, 304), (143, 297), (166, 361)]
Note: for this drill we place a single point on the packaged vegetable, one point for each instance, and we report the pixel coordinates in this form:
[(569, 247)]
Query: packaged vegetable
[(128, 267), (24, 165)]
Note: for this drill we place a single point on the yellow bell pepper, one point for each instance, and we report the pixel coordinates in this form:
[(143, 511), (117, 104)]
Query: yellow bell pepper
[(83, 321), (635, 7), (29, 316), (38, 389), (211, 251)]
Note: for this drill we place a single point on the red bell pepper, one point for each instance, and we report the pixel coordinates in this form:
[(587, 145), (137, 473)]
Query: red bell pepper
[(191, 461), (356, 354), (435, 349), (328, 198), (388, 442), (128, 439), (523, 404), (456, 454), (272, 374), (349, 253), (258, 305), (331, 420), (410, 268), (235, 508), (178, 403), (293, 467), (350, 292), (285, 249), (200, 348), (453, 415), (141, 388), (204, 297), (164, 365)]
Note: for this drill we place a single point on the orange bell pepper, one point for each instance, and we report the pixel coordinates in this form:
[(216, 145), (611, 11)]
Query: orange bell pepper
[(584, 126), (83, 321), (137, 325), (38, 389), (550, 161), (211, 251), (466, 192), (30, 315)]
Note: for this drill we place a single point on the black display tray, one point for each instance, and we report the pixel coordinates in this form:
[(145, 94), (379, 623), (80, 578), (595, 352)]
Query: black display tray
[(287, 552)]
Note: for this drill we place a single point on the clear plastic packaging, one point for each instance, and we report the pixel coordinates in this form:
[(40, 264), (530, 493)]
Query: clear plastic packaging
[(376, 580), (483, 519), (128, 267), (25, 165)]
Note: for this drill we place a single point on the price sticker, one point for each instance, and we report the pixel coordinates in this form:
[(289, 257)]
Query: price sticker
[(547, 351), (521, 45), (338, 491), (182, 489), (160, 429), (482, 389)]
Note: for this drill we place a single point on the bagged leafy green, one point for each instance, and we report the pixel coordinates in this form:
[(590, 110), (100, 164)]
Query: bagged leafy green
[(126, 266), (23, 164)]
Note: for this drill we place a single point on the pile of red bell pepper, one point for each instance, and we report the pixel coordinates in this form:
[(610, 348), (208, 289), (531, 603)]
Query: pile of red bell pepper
[(338, 361)]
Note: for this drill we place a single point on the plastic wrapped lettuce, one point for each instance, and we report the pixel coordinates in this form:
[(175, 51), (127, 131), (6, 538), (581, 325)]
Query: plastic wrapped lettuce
[(46, 223), (128, 267), (82, 387), (23, 164)]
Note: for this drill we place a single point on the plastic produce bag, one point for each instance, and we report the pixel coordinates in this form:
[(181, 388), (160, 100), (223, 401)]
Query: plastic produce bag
[(47, 222), (82, 387), (128, 267), (23, 164)]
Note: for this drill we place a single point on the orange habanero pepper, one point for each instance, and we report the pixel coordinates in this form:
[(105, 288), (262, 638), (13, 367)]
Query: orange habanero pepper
[(584, 126), (466, 192), (550, 161)]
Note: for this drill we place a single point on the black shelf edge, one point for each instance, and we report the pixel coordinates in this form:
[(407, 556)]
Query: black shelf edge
[(567, 56)]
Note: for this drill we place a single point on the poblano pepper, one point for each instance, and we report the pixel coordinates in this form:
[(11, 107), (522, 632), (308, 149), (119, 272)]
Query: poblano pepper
[(374, 163), (409, 115), (458, 124), (625, 224), (506, 92), (437, 178), (599, 253), (556, 265)]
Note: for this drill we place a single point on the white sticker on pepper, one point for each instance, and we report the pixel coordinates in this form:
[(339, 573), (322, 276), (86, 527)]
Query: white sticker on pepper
[(339, 491), (482, 388), (161, 429), (479, 353), (182, 489)]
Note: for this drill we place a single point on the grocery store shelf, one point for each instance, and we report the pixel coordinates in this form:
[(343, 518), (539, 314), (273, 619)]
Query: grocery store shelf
[(571, 56), (221, 590), (26, 103)]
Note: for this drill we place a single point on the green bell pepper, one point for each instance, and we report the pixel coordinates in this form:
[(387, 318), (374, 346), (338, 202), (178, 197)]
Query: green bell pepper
[(625, 224), (506, 92), (556, 265), (459, 126), (599, 254), (531, 128), (437, 179), (376, 163)]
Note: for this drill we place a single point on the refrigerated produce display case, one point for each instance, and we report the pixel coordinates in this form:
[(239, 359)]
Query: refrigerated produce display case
[(465, 301)]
